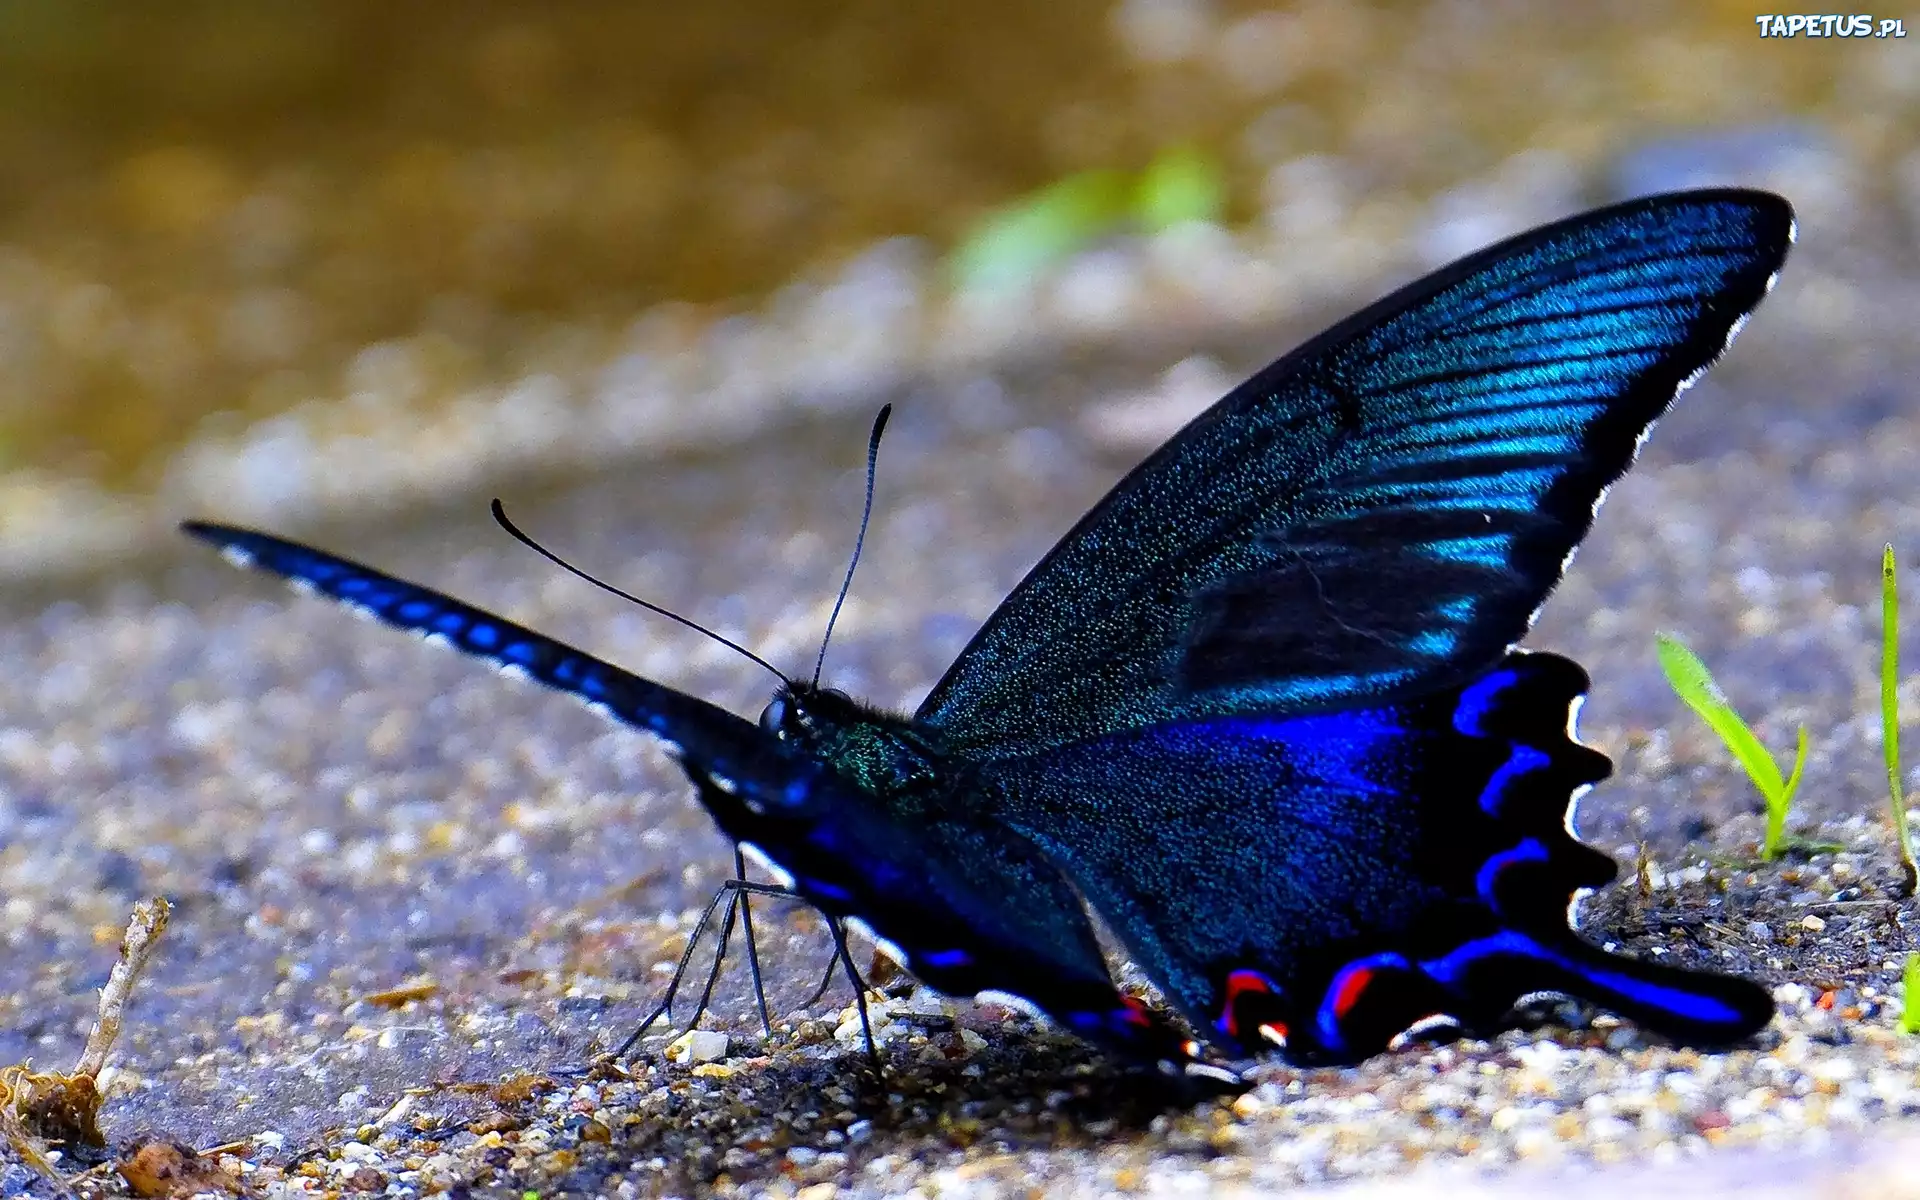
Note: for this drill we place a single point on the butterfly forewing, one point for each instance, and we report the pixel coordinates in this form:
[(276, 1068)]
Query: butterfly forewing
[(1382, 511), (968, 904), (688, 724)]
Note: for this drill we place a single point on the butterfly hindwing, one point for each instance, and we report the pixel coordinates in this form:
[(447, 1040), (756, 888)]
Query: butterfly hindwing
[(1380, 512), (1337, 877)]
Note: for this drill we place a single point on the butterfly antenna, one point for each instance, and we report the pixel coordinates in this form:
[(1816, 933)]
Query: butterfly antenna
[(866, 514), (500, 516)]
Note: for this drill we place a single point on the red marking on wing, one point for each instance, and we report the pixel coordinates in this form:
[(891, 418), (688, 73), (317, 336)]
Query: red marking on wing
[(1241, 983), (1246, 981), (1352, 985)]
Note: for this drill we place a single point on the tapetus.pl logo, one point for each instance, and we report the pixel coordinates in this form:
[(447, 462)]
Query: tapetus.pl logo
[(1845, 25)]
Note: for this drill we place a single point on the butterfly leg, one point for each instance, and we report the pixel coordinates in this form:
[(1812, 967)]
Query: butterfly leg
[(665, 1007), (732, 890), (826, 980), (734, 898), (845, 958), (753, 947)]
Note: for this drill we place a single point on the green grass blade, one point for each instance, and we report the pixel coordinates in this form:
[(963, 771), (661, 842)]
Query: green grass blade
[(1777, 809), (1694, 684), (1799, 765), (1890, 706), (1910, 997)]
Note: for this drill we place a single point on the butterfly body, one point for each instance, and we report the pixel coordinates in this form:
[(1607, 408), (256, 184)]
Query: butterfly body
[(864, 817), (1261, 708)]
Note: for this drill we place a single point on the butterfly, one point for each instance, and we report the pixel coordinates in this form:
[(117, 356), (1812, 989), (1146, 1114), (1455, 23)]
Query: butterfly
[(1261, 709)]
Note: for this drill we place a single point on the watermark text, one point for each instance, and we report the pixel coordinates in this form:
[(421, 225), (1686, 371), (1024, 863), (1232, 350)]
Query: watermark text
[(1846, 25)]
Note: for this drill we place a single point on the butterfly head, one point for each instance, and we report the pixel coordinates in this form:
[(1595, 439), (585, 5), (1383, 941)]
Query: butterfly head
[(801, 715), (811, 719), (879, 752)]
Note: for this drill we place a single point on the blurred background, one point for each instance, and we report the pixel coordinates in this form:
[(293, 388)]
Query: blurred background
[(646, 270), (277, 260)]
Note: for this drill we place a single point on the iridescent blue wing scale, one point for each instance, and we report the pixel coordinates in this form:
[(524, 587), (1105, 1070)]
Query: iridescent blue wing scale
[(1326, 881), (1381, 512)]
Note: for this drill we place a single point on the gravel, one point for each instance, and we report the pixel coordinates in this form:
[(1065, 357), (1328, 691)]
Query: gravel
[(413, 901)]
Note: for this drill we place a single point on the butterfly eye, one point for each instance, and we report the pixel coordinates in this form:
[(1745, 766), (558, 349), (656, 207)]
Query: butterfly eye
[(773, 717)]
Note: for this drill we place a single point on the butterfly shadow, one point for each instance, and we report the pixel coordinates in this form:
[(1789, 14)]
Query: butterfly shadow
[(933, 1063), (1020, 1092)]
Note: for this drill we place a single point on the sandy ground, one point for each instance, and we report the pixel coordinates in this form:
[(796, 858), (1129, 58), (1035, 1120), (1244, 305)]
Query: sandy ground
[(337, 812)]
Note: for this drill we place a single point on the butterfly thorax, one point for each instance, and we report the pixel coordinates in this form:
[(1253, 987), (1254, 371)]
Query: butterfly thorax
[(884, 755)]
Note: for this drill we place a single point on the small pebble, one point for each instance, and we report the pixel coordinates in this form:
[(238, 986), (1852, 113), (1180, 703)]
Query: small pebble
[(697, 1046)]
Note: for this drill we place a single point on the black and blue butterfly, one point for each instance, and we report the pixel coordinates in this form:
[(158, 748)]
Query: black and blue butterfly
[(1261, 708)]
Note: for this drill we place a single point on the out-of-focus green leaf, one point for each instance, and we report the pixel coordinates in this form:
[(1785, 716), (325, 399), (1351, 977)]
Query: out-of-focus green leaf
[(1180, 186), (1019, 241)]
